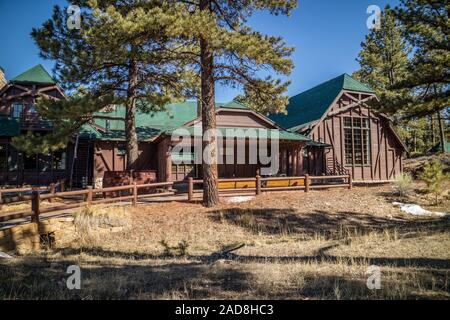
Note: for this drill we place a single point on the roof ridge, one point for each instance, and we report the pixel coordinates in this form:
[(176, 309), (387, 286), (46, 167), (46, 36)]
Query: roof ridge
[(366, 87), (37, 74), (318, 85)]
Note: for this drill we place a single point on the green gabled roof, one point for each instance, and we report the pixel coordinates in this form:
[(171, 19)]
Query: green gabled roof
[(234, 132), (234, 105), (151, 125), (148, 125), (310, 105), (9, 127), (37, 74)]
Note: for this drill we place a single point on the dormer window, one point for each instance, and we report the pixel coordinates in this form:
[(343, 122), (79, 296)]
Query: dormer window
[(17, 109)]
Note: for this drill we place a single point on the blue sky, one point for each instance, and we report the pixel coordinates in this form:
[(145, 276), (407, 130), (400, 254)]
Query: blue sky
[(325, 33)]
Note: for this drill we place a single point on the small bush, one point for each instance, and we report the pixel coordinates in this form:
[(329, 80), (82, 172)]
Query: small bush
[(90, 219), (435, 178), (403, 184), (169, 251)]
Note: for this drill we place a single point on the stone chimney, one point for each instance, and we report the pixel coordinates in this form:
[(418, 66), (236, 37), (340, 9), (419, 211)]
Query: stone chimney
[(3, 81)]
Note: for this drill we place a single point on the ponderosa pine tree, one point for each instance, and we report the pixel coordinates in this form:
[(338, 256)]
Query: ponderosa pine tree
[(384, 59), (427, 27), (232, 54), (121, 54)]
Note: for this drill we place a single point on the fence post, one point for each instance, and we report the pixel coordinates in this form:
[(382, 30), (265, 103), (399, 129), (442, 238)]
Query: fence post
[(135, 194), (62, 186), (35, 206), (1, 199), (89, 195), (350, 181), (131, 176), (52, 192), (258, 185), (190, 189), (307, 182)]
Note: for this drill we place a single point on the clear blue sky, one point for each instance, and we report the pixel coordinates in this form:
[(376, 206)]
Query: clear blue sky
[(326, 34)]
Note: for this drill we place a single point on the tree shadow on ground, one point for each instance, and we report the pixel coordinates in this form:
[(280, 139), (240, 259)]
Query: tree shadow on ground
[(320, 256), (209, 276), (37, 279), (330, 225)]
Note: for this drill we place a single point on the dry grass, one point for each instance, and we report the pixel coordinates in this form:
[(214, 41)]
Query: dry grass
[(26, 205), (91, 220), (297, 246)]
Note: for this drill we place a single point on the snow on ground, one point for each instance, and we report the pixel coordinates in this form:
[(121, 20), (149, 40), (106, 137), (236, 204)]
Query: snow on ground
[(239, 199), (417, 210)]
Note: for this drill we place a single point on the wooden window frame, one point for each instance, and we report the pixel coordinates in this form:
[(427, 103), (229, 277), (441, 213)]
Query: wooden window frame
[(13, 108), (365, 152)]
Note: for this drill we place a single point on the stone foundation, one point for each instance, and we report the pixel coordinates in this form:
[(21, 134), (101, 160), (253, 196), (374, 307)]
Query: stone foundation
[(31, 237)]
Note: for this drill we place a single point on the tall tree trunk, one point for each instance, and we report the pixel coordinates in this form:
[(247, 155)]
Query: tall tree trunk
[(433, 137), (130, 115), (441, 130), (209, 168)]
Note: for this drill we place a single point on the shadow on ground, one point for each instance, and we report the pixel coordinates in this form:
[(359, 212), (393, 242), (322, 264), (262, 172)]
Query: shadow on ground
[(145, 276), (330, 225)]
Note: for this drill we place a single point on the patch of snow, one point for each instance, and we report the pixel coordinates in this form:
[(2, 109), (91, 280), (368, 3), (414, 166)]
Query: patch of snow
[(417, 210), (4, 255), (239, 199)]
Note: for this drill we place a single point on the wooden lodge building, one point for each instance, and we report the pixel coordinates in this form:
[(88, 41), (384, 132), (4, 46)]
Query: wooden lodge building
[(328, 130), (362, 142)]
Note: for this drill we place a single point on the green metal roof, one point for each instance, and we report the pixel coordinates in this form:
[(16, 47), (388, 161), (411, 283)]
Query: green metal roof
[(148, 125), (234, 132), (234, 105), (37, 74), (9, 127), (310, 105)]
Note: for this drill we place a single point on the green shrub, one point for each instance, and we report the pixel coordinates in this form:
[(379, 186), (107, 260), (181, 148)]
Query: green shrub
[(435, 178), (403, 184)]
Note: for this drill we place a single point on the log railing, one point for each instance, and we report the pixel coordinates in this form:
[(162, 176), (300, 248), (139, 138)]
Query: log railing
[(86, 197), (18, 193), (268, 184), (91, 196)]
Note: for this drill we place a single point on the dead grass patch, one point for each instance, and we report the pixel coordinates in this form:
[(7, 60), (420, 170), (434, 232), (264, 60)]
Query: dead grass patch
[(297, 246)]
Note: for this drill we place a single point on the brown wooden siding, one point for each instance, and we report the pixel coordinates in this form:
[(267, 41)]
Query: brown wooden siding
[(385, 150)]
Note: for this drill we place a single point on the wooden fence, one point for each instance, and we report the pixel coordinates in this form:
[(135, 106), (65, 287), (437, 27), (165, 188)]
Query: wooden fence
[(19, 192), (267, 184), (85, 197), (90, 196)]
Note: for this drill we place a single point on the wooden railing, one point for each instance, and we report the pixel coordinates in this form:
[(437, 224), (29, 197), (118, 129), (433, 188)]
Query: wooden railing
[(305, 183), (18, 193), (90, 196), (86, 197), (35, 121)]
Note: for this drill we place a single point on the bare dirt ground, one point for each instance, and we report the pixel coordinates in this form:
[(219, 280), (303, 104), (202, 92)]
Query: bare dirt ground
[(296, 246)]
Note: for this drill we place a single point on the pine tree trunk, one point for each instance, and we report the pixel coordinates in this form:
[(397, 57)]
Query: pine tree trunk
[(130, 123), (433, 137), (441, 130), (210, 188)]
